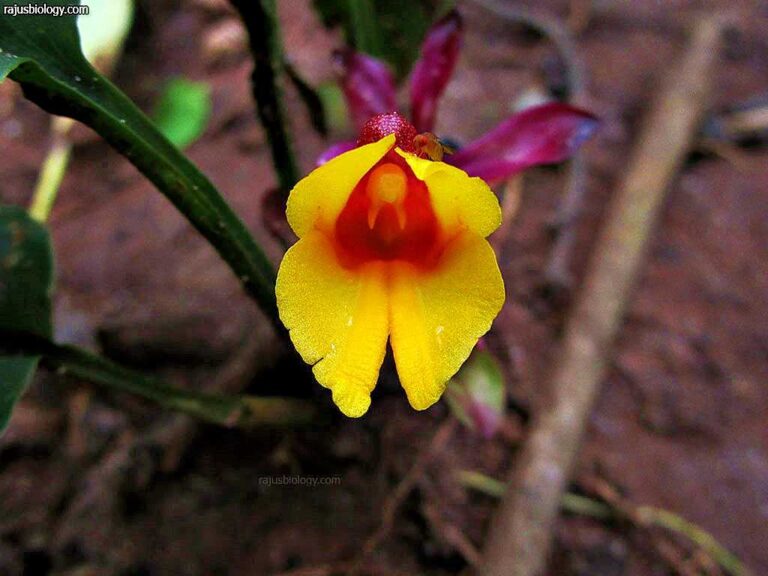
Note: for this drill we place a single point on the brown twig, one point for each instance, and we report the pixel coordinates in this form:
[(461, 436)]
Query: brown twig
[(360, 565), (551, 29), (404, 488), (453, 535), (520, 536), (558, 276)]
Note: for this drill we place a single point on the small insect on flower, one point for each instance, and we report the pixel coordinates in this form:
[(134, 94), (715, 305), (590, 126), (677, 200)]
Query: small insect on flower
[(391, 248), (428, 145)]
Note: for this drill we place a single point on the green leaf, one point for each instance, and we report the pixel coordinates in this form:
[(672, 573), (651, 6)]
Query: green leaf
[(183, 111), (26, 273), (391, 30), (365, 27), (43, 54), (26, 281)]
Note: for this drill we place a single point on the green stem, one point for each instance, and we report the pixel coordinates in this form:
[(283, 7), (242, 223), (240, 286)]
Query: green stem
[(225, 410), (481, 483), (51, 175), (53, 170), (703, 539), (647, 515), (583, 506), (261, 22)]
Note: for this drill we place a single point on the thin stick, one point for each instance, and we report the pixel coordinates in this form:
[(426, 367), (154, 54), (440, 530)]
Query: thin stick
[(551, 29), (558, 274), (520, 535)]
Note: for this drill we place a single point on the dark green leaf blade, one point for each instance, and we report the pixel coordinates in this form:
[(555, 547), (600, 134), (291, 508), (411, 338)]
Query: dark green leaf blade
[(26, 282), (42, 53), (26, 273), (15, 375)]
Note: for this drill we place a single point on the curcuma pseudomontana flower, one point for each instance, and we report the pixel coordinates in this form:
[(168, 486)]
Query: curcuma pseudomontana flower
[(392, 239), (391, 246)]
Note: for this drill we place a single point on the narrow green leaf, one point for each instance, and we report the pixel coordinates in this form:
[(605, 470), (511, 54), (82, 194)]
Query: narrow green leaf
[(225, 410), (260, 19), (391, 30), (102, 34), (52, 171), (26, 281), (365, 30), (42, 53), (481, 482), (183, 111), (703, 539)]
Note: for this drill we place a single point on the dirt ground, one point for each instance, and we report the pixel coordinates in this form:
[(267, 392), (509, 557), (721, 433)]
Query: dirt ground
[(102, 484)]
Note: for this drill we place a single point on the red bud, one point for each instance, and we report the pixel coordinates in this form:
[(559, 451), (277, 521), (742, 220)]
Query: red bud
[(385, 124)]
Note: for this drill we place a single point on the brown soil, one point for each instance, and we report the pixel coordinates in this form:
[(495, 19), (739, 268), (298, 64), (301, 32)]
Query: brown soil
[(94, 483)]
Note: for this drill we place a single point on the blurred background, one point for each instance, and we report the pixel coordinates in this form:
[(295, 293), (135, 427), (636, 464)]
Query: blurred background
[(96, 483)]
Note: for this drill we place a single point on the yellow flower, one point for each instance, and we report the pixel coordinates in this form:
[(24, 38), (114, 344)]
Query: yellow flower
[(391, 246)]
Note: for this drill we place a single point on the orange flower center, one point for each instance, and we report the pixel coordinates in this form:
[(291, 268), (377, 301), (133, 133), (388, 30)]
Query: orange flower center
[(388, 216)]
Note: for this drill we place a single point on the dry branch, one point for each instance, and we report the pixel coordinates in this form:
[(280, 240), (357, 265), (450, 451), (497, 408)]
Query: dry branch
[(520, 536)]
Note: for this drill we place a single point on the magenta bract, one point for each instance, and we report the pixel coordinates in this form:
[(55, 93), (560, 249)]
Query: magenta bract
[(368, 85), (543, 134), (540, 135), (434, 69)]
